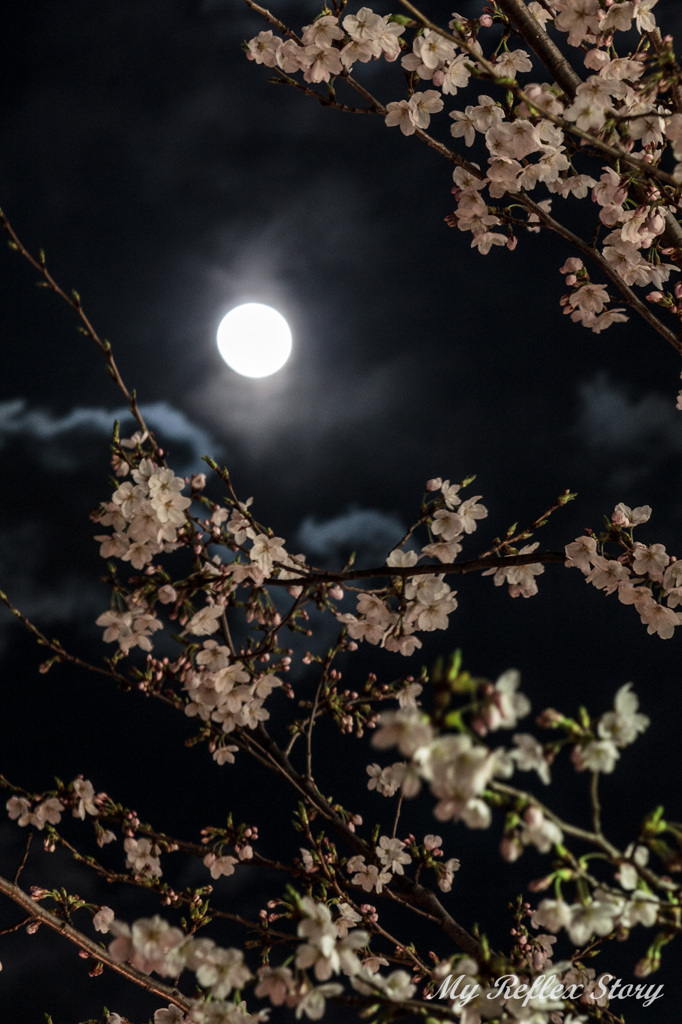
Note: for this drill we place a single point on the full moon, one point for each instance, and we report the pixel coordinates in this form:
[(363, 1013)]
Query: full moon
[(254, 340)]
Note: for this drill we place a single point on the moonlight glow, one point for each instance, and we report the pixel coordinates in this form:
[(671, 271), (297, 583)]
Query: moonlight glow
[(254, 340)]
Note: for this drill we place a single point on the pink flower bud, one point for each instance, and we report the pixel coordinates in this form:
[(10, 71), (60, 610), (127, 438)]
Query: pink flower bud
[(510, 849), (533, 816)]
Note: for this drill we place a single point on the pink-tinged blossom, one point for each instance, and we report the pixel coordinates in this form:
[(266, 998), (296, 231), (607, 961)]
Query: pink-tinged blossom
[(485, 241), (455, 75), (509, 704), (399, 558), (590, 298), (19, 810), (114, 546), (384, 780), (347, 919), (580, 553), (469, 512), (322, 32), (445, 874), (206, 620), (277, 983), (607, 574), (142, 856), (49, 811), (576, 185), (606, 319), (589, 919), (644, 19), (596, 756), (552, 914), (651, 560), (406, 729), (167, 594), (422, 105), (85, 794), (363, 26), (266, 551), (580, 18), (313, 1002), (659, 619), (538, 831), (367, 876), (463, 126), (219, 866), (511, 61), (168, 1015), (263, 49), (325, 61), (291, 57), (529, 755), (521, 578), (447, 525), (103, 919), (393, 855), (444, 551), (512, 140), (625, 722), (619, 17), (222, 971), (354, 51)]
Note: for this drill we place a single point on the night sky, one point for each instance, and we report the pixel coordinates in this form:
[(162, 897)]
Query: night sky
[(167, 181)]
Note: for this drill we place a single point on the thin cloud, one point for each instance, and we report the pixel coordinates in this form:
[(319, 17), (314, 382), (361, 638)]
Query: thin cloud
[(637, 432), (367, 532), (60, 448)]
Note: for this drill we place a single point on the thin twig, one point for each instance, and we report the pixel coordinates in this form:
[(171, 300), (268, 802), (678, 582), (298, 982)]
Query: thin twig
[(74, 303), (22, 865)]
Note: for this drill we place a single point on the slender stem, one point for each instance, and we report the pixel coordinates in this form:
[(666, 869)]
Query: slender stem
[(74, 302), (309, 732), (596, 806), (56, 647), (22, 865), (594, 838), (397, 815)]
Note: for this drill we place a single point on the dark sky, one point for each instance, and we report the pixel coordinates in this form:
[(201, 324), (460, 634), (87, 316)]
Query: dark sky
[(168, 181)]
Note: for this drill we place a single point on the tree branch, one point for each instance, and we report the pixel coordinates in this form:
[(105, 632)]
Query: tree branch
[(74, 302), (95, 951), (530, 30)]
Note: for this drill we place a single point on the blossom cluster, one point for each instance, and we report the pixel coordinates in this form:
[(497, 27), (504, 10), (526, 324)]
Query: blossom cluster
[(625, 105), (80, 796), (425, 602), (643, 575)]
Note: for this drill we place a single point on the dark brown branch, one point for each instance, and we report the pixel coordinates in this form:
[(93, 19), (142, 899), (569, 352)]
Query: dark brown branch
[(95, 951), (530, 30), (432, 569), (593, 254), (411, 892)]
